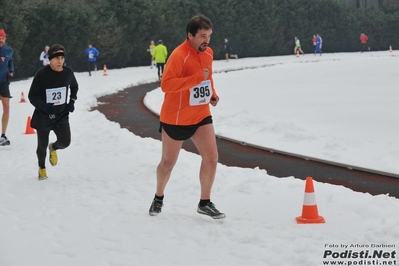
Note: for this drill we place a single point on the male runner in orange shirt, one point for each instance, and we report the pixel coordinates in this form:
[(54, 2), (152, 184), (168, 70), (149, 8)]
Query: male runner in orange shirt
[(188, 86)]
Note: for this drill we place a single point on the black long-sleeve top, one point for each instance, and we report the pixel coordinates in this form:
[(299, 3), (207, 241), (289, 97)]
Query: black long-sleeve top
[(49, 86)]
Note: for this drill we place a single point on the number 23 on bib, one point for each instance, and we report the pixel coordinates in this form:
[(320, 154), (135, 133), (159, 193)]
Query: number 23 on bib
[(201, 94), (56, 96)]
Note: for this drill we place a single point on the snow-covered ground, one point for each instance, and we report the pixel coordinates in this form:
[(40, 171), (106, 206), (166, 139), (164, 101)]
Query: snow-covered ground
[(93, 208)]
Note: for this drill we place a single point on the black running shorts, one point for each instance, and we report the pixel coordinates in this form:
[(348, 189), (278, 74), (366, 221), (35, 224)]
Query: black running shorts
[(5, 90), (183, 132)]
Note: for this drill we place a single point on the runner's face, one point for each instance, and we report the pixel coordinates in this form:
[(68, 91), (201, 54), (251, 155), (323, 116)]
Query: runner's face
[(2, 41), (201, 40), (57, 63)]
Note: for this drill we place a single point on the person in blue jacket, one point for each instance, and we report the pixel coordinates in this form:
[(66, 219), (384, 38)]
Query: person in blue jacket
[(6, 70), (319, 43), (92, 53)]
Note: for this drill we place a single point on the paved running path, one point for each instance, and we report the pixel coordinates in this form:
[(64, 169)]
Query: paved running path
[(127, 109)]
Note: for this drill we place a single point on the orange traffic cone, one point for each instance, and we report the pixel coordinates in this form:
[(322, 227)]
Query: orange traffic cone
[(310, 214), (390, 48), (22, 98), (105, 70), (29, 129)]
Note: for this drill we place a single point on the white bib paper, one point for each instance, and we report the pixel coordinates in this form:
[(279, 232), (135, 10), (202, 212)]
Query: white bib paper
[(56, 96), (201, 94)]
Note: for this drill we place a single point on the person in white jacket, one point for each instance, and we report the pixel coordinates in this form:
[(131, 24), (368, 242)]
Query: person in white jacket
[(44, 56)]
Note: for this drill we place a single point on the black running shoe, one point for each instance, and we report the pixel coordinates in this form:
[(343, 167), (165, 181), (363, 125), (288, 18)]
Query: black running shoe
[(4, 141), (156, 207), (211, 210)]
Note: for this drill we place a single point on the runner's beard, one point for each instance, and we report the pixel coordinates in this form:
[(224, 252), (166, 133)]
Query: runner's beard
[(202, 47)]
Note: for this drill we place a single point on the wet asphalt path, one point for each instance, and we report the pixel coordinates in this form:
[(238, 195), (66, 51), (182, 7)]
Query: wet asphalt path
[(127, 109)]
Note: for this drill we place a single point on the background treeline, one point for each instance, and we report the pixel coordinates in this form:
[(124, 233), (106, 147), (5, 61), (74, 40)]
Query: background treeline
[(122, 29)]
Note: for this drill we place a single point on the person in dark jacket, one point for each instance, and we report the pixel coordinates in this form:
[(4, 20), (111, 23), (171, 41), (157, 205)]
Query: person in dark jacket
[(49, 93), (229, 50)]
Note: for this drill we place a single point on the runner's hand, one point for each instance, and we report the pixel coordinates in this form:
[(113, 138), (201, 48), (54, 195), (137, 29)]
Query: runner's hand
[(214, 100), (71, 106)]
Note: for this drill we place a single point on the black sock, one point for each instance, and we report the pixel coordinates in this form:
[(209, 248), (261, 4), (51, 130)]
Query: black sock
[(3, 135), (159, 197), (204, 202), (53, 147)]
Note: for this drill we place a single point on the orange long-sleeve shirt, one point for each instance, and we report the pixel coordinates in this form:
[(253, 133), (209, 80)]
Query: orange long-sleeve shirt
[(186, 100)]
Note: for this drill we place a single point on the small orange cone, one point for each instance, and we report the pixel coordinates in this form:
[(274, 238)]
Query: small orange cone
[(310, 214), (390, 48), (22, 98), (105, 70), (29, 129)]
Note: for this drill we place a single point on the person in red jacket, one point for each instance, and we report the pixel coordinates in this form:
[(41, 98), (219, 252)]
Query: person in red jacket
[(185, 114), (314, 43), (363, 39)]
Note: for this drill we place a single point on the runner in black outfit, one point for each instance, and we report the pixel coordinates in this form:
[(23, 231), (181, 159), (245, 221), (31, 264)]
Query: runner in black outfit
[(49, 94)]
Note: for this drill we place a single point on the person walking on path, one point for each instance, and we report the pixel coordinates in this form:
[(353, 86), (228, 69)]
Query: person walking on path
[(6, 70), (49, 95), (44, 56), (363, 40), (160, 55), (151, 51), (229, 50), (319, 43), (185, 113), (297, 47), (314, 43), (92, 53)]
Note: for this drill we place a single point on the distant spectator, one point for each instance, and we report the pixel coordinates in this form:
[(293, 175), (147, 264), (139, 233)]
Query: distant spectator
[(297, 48), (151, 51), (160, 55), (92, 53), (314, 43), (319, 43), (229, 50), (44, 56), (363, 40)]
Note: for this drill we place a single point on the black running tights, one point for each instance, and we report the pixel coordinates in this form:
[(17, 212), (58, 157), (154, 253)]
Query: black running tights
[(160, 67), (63, 133)]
